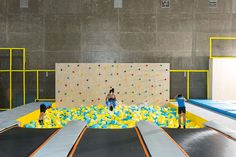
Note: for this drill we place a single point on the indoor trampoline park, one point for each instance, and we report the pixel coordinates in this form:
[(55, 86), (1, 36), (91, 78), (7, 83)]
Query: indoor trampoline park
[(117, 78)]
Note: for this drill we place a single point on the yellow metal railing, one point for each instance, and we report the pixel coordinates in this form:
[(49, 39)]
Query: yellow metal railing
[(211, 39), (24, 71), (188, 80), (10, 78), (44, 99), (212, 56)]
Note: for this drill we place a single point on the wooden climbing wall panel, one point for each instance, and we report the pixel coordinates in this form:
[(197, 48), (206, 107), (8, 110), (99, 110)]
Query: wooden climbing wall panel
[(134, 83)]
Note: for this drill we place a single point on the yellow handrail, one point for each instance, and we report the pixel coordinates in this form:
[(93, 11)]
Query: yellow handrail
[(10, 78), (37, 84), (188, 80), (24, 83)]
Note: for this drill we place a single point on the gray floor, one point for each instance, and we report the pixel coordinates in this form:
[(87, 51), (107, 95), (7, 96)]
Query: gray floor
[(157, 142), (109, 143), (203, 142), (221, 128), (22, 142), (61, 143), (8, 118)]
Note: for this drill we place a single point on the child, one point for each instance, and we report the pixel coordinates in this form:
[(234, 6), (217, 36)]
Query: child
[(111, 99), (181, 108), (43, 108)]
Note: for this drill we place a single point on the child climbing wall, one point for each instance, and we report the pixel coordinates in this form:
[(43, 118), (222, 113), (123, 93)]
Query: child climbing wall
[(88, 83)]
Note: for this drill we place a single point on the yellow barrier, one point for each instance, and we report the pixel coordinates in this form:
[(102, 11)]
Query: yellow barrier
[(188, 80), (194, 118), (30, 116)]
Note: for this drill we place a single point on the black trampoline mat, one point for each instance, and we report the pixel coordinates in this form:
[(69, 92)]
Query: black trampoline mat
[(21, 142), (109, 143), (203, 142)]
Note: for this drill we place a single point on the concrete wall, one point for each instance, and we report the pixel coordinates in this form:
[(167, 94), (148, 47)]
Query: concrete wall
[(93, 31)]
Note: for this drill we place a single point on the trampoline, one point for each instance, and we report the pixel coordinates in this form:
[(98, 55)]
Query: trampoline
[(204, 142), (110, 142), (23, 142)]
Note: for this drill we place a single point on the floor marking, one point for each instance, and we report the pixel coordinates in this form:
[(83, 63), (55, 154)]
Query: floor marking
[(45, 142), (175, 142), (77, 142), (223, 134), (9, 128), (142, 142)]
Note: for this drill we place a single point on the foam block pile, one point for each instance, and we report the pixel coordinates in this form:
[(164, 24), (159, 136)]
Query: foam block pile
[(121, 117)]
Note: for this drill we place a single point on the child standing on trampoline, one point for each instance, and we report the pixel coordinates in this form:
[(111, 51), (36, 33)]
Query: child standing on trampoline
[(181, 109), (43, 108), (111, 100)]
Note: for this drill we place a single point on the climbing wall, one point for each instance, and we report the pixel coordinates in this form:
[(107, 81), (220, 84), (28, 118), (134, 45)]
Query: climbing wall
[(89, 83)]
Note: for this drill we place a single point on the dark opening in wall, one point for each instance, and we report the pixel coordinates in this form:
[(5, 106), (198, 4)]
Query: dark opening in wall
[(198, 85), (178, 84)]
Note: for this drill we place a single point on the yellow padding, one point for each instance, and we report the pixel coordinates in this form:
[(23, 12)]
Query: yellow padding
[(30, 116), (194, 118)]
